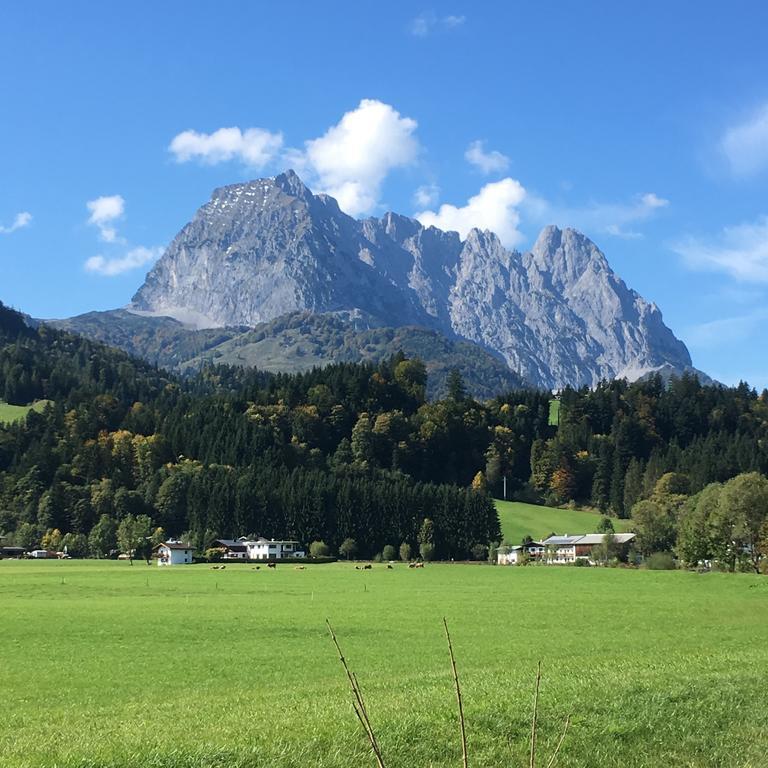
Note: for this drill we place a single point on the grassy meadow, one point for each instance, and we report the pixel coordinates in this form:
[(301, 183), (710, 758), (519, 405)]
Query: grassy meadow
[(519, 519), (108, 665), (11, 413)]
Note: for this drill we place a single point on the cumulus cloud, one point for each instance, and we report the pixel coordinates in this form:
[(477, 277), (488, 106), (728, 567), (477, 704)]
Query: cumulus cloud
[(615, 219), (21, 220), (494, 207), (352, 159), (104, 212), (254, 147), (133, 259), (428, 22), (746, 145), (349, 161), (426, 195), (740, 251), (486, 162)]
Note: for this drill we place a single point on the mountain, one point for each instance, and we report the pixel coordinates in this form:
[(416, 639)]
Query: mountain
[(557, 315), (297, 341)]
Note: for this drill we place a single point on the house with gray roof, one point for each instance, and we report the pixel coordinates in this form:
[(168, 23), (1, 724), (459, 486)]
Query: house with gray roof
[(562, 550)]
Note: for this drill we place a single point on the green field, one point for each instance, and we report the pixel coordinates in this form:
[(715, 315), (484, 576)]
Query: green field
[(11, 413), (519, 520), (109, 665), (554, 413)]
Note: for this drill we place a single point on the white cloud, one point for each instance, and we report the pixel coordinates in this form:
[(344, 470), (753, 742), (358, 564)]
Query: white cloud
[(21, 220), (352, 159), (133, 259), (495, 208), (104, 212), (255, 147), (740, 251), (615, 219), (426, 195), (486, 162), (428, 22), (746, 145)]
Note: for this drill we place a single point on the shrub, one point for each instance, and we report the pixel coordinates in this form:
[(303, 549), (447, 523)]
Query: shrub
[(214, 554), (348, 548), (388, 553), (660, 561), (479, 552), (427, 551), (405, 551), (319, 549)]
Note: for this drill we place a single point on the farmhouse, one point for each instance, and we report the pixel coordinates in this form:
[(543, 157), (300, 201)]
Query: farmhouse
[(174, 553), (12, 552), (270, 549), (234, 549), (562, 550), (568, 549), (533, 550)]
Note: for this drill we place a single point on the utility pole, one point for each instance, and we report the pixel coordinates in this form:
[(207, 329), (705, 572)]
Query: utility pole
[(505, 487)]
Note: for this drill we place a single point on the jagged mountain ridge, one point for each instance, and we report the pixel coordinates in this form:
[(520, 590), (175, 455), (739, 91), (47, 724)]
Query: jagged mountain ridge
[(557, 315)]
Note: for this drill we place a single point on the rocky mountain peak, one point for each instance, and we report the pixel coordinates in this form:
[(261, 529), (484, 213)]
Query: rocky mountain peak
[(259, 250)]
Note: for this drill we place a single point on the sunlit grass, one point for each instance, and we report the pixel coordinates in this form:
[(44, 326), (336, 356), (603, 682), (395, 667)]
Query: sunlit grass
[(519, 520), (104, 664)]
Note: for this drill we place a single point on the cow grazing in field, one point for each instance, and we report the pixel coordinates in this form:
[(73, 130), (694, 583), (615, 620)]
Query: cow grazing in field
[(389, 568), (367, 567), (271, 565), (299, 567)]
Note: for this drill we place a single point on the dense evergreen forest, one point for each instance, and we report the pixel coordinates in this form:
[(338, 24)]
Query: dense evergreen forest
[(346, 451)]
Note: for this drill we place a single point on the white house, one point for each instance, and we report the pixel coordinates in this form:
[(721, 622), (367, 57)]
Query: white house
[(234, 549), (569, 549), (533, 550), (561, 549), (270, 549), (174, 553)]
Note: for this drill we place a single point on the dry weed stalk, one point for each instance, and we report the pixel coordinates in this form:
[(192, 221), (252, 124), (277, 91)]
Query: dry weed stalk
[(535, 717), (359, 702), (465, 759), (361, 711)]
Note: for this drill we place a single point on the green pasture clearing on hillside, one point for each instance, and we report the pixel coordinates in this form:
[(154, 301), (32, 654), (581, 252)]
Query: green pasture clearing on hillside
[(519, 520), (108, 665), (11, 413), (554, 413)]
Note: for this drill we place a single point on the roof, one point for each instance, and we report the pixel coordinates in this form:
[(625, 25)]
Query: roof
[(175, 545), (597, 538), (262, 540), (232, 544), (588, 539)]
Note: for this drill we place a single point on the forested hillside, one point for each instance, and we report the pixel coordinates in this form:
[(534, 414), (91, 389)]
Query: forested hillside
[(350, 450)]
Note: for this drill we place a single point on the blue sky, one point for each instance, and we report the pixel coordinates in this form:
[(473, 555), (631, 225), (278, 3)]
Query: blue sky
[(646, 128)]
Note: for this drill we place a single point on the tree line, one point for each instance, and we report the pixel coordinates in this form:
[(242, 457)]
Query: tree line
[(349, 451)]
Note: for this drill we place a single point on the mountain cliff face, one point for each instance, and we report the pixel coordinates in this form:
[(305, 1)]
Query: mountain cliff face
[(557, 315)]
